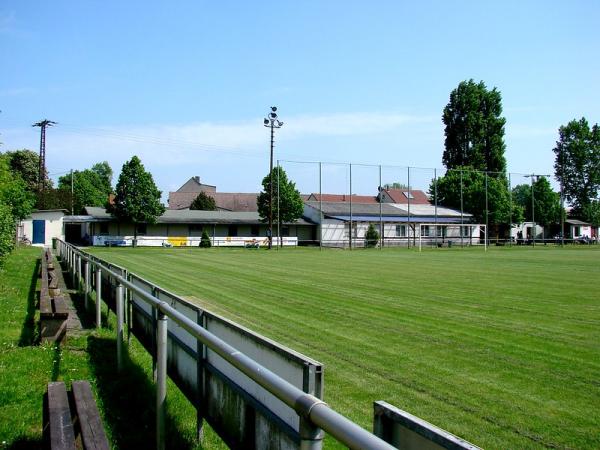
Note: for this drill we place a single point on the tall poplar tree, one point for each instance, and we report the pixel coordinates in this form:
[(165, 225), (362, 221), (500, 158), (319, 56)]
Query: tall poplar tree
[(474, 129)]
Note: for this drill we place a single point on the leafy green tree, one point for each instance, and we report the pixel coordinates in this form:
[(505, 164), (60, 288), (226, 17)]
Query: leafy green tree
[(27, 164), (204, 202), (16, 203), (105, 173), (474, 129), (591, 212), (546, 202), (395, 185), (137, 199), (13, 191), (473, 196), (371, 236), (90, 187), (205, 240), (577, 165), (289, 207), (7, 231)]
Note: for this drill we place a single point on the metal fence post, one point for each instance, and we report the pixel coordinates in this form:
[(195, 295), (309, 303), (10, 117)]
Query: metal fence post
[(119, 327), (161, 378), (86, 284), (74, 270), (98, 296), (79, 273), (311, 436)]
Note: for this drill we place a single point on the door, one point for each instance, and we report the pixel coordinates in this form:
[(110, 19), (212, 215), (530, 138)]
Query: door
[(39, 232)]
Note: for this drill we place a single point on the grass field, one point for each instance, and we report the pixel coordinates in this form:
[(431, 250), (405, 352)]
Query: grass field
[(26, 366), (501, 348)]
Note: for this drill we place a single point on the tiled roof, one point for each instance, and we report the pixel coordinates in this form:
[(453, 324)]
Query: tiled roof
[(342, 198), (229, 201), (399, 196), (192, 216)]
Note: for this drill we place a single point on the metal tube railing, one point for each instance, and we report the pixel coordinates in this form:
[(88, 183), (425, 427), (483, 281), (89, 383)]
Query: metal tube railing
[(306, 405)]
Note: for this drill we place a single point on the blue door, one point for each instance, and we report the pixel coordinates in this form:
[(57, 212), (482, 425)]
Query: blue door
[(39, 232)]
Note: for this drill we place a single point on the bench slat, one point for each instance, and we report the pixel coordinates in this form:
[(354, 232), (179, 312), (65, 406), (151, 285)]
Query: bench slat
[(59, 416), (92, 431)]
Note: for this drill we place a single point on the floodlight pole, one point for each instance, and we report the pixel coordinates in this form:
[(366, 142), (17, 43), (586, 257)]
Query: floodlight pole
[(272, 122)]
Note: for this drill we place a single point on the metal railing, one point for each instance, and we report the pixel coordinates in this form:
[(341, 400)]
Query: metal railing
[(315, 415)]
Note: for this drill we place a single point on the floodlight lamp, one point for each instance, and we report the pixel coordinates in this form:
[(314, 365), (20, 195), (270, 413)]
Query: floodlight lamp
[(273, 115), (266, 121), (274, 108), (279, 122)]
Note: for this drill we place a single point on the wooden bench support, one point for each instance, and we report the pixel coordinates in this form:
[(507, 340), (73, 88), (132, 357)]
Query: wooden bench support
[(73, 421), (53, 308)]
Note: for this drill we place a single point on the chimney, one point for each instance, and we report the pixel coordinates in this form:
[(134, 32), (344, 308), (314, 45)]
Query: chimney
[(197, 178)]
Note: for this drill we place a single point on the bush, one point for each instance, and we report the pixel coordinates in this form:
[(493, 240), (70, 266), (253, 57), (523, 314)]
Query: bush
[(371, 237), (205, 240), (7, 231)]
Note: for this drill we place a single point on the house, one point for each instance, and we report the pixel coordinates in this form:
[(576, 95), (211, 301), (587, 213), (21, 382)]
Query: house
[(582, 231), (344, 223), (183, 228), (225, 201), (403, 196), (42, 226)]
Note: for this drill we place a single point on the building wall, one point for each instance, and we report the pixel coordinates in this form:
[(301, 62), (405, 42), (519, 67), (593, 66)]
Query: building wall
[(53, 225), (190, 234)]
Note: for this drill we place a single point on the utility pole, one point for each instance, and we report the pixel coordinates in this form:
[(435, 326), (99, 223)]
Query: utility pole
[(72, 213), (272, 122), (42, 166)]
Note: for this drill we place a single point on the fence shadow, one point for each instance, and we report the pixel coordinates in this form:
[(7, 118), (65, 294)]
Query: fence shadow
[(128, 398), (29, 334)]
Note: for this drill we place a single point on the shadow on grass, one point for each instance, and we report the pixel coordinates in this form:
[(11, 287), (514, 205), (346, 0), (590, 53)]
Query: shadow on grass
[(128, 399), (28, 330), (26, 443)]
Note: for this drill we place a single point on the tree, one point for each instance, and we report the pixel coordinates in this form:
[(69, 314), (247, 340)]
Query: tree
[(7, 228), (205, 240), (395, 185), (137, 198), (289, 207), (546, 202), (105, 173), (27, 164), (577, 165), (371, 236), (473, 196), (474, 129), (204, 202), (90, 187), (16, 203)]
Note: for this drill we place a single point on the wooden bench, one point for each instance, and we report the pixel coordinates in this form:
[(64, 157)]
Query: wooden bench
[(53, 308), (72, 420)]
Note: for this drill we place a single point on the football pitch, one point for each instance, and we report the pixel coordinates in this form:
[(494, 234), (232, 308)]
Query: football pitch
[(501, 348)]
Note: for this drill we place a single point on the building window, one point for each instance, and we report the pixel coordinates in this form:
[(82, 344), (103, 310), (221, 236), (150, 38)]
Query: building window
[(232, 231), (142, 228), (103, 228), (440, 231), (426, 231), (577, 231), (400, 230), (254, 230), (354, 229), (464, 231), (285, 231), (408, 195), (196, 229)]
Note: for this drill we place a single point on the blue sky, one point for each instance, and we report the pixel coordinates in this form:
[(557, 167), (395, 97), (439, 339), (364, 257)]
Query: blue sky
[(185, 85)]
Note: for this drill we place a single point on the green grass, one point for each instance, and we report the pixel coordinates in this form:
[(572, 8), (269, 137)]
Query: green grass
[(501, 348), (126, 400)]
